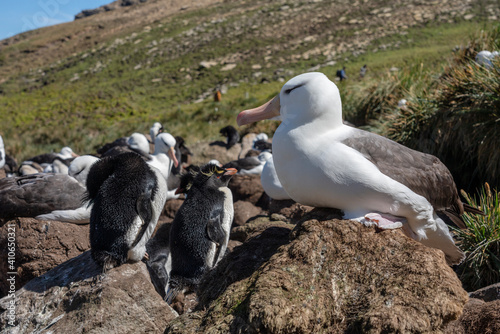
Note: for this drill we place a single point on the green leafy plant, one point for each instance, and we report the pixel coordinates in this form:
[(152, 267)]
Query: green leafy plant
[(481, 241)]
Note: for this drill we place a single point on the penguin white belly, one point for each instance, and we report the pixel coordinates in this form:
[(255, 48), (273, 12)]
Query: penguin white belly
[(226, 226), (228, 218), (137, 253), (209, 259)]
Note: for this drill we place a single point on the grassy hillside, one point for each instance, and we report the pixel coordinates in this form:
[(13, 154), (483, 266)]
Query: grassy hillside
[(90, 81)]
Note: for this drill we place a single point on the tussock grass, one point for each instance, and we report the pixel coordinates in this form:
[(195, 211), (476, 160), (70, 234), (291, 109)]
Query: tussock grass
[(481, 241), (464, 125), (453, 114)]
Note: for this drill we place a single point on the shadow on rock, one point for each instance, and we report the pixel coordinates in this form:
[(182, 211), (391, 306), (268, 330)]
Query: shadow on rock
[(241, 263)]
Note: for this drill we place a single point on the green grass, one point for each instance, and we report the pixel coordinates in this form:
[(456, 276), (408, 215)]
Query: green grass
[(118, 99), (481, 241), (452, 111)]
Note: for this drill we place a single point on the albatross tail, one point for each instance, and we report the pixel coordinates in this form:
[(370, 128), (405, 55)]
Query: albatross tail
[(441, 238)]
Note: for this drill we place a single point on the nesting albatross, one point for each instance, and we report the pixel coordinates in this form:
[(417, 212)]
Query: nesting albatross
[(322, 162), (36, 194)]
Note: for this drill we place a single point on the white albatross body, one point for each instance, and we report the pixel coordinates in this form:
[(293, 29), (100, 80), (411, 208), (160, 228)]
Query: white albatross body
[(323, 163), (271, 183), (163, 158)]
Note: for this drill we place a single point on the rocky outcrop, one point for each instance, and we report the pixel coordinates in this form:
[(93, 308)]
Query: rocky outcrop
[(332, 276), (246, 188), (75, 298), (204, 152), (481, 314), (488, 293), (40, 246), (478, 317), (243, 211), (255, 227)]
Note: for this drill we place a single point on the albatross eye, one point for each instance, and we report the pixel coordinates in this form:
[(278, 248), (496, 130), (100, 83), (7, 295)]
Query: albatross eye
[(288, 91)]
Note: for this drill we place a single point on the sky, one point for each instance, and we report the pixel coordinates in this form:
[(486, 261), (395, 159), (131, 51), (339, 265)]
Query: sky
[(17, 16)]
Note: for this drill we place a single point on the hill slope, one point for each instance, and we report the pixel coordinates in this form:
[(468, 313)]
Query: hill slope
[(92, 80)]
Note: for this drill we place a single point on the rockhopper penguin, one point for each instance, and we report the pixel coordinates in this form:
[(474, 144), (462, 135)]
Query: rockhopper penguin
[(128, 196), (158, 247), (200, 229), (231, 134)]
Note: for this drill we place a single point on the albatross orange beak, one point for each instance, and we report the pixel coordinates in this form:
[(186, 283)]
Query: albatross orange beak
[(268, 110)]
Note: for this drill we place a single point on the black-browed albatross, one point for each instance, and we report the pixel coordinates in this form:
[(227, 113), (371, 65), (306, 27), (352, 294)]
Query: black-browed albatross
[(323, 163)]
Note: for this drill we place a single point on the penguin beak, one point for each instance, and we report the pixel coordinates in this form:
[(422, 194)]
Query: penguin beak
[(171, 154), (230, 171), (179, 191), (268, 110)]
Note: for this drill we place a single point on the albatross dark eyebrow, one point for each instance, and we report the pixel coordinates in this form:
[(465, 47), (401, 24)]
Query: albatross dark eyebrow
[(288, 91)]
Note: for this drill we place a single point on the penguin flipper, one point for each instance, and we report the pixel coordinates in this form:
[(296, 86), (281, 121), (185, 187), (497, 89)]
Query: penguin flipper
[(144, 209), (215, 232)]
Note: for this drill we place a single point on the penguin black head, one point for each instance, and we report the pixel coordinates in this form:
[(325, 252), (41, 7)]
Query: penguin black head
[(215, 176), (187, 178)]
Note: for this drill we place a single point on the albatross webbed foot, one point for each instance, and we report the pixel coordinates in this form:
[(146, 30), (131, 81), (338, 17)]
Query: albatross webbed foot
[(383, 221)]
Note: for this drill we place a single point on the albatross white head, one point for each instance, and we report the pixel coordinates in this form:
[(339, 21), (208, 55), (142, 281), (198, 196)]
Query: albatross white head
[(306, 98), (164, 156), (138, 141), (67, 153), (156, 129)]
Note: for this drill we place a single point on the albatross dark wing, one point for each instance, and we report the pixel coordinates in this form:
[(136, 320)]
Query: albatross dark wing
[(423, 173)]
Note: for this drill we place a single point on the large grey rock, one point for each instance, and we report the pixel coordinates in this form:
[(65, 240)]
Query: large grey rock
[(40, 246), (243, 211), (478, 317), (488, 293), (246, 188), (74, 298), (203, 152), (334, 276)]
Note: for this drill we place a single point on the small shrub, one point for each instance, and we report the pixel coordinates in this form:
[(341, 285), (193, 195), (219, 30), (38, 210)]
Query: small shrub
[(481, 241)]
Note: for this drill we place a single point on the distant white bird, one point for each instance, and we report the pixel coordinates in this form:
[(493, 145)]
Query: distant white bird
[(215, 162), (57, 166), (2, 153), (164, 158), (486, 57), (250, 165), (323, 163), (80, 167), (156, 129), (29, 168), (136, 142), (47, 158)]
